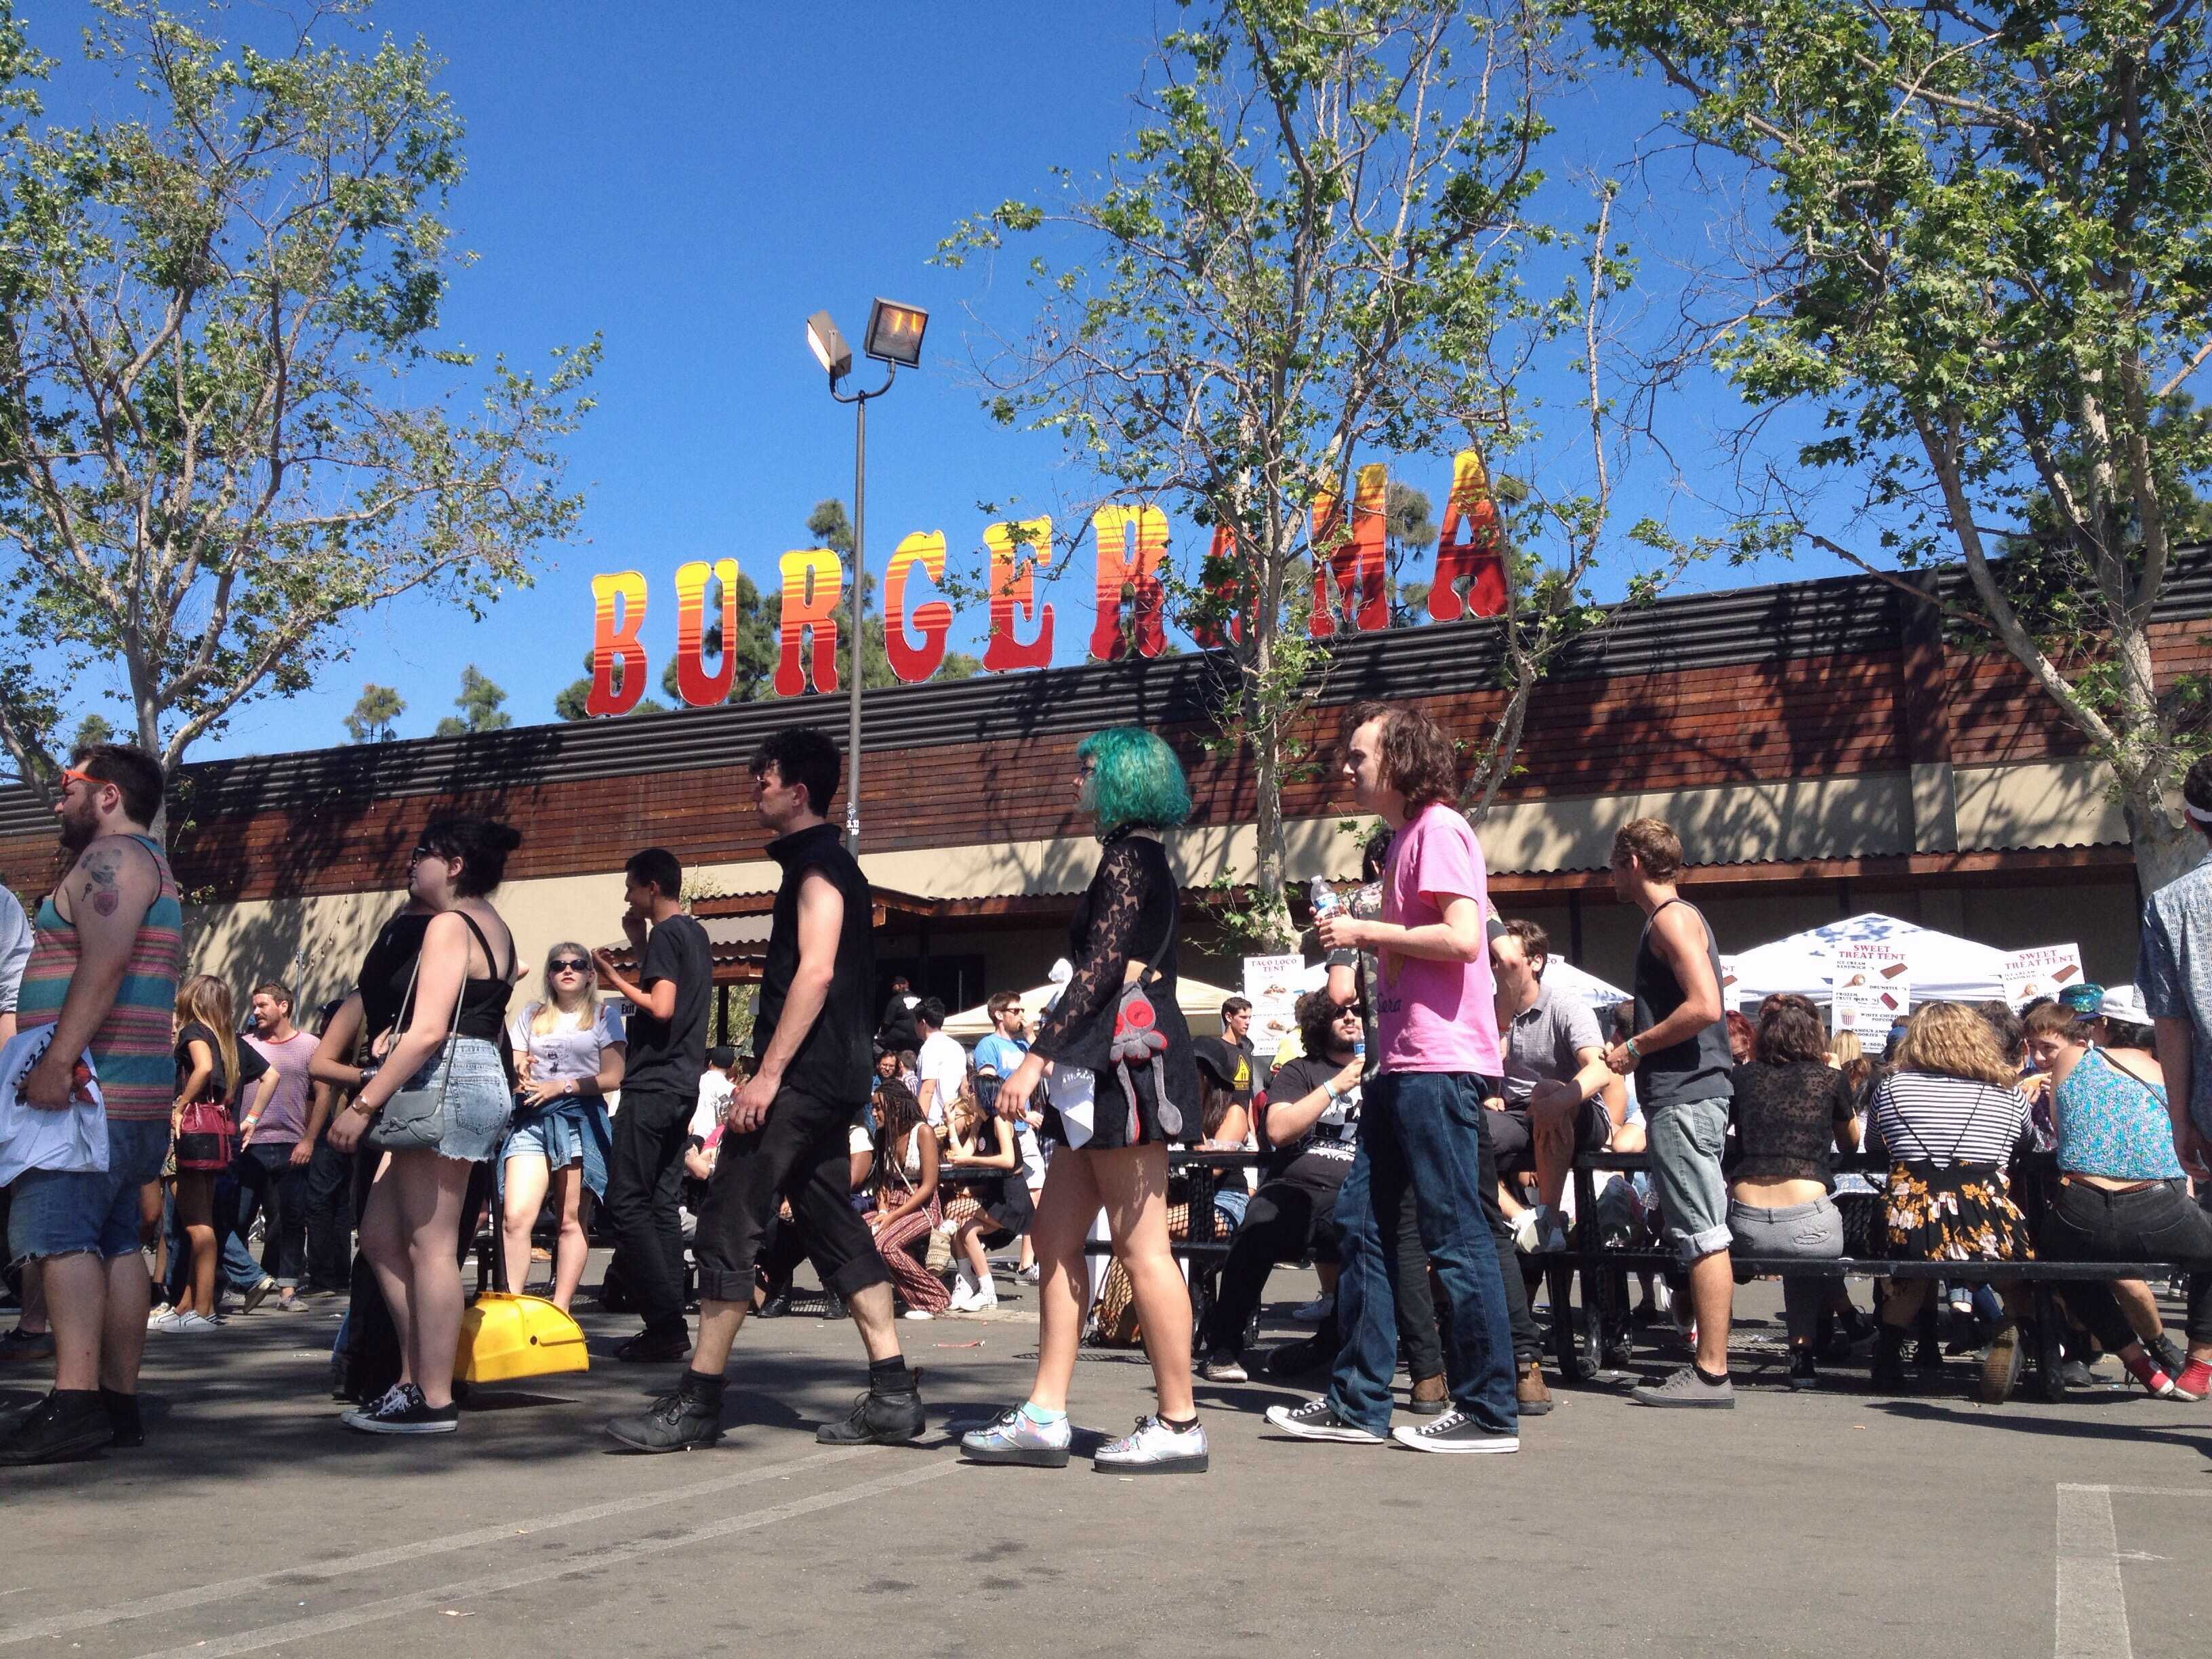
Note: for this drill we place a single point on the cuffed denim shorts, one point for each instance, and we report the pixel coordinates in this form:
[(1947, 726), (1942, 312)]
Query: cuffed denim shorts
[(476, 1103), (56, 1213), (1685, 1138)]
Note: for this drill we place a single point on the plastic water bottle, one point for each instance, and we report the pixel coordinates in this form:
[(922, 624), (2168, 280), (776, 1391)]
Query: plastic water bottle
[(1325, 901)]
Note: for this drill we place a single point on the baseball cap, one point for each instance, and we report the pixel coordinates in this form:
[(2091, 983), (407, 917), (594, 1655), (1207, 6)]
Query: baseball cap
[(2087, 998), (1220, 1060), (2124, 1002)]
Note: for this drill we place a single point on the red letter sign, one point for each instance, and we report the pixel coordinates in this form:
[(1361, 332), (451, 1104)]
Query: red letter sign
[(1131, 541), (1017, 550), (1360, 565), (925, 551), (1470, 550), (813, 582), (613, 640), (693, 683)]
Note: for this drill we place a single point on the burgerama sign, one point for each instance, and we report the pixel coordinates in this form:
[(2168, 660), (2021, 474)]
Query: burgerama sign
[(1351, 594)]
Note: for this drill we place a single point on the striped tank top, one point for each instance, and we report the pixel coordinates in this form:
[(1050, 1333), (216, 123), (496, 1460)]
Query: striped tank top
[(131, 1049)]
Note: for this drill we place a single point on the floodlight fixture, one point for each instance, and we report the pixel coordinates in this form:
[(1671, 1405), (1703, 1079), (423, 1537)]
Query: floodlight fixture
[(829, 346), (894, 334)]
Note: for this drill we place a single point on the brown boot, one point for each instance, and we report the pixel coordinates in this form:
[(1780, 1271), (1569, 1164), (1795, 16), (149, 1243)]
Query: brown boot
[(1429, 1396), (1529, 1390)]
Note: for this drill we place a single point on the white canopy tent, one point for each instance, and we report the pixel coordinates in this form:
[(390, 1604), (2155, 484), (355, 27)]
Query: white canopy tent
[(1559, 973), (1944, 968), (1201, 1004)]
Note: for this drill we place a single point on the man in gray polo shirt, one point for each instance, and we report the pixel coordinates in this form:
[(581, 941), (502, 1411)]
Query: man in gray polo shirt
[(2173, 970), (1558, 1099)]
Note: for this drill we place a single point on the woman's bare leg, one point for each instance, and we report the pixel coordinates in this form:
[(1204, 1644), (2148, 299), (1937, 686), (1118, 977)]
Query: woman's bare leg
[(524, 1198), (1064, 1213), (196, 1210), (432, 1192), (1133, 1183), (571, 1248)]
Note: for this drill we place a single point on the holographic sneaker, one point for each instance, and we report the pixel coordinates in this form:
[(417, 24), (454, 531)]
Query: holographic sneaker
[(1153, 1448), (1014, 1437)]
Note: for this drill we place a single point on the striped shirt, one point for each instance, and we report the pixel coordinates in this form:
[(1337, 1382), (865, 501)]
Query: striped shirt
[(131, 1050), (1925, 1117)]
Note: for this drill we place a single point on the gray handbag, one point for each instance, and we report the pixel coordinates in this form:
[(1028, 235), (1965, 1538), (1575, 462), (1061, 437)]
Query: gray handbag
[(414, 1119)]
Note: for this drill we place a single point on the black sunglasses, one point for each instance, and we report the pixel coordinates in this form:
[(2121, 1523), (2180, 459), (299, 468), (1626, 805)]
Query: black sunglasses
[(568, 965)]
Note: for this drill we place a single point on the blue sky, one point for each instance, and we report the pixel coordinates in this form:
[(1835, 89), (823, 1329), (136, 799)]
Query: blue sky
[(691, 181)]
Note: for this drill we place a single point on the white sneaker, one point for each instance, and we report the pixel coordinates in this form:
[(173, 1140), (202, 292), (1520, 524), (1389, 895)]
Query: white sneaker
[(985, 1300), (162, 1318), (1313, 1312), (1524, 1233), (917, 1312), (1153, 1448), (192, 1324), (1030, 1274), (964, 1297)]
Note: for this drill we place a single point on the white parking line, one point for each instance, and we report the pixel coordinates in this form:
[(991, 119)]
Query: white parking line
[(2093, 1605), (296, 1630), (323, 1571)]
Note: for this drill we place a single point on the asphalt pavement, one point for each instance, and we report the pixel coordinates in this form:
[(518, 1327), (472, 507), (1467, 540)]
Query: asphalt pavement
[(1833, 1523)]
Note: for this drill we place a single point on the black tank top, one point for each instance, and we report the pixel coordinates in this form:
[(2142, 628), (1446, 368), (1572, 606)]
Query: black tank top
[(1698, 1066), (483, 1001)]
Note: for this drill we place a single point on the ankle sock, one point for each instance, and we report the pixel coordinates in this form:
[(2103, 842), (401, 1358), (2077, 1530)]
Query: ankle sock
[(122, 1409), (699, 1386), (887, 1376), (1707, 1377), (1039, 1415), (1180, 1424)]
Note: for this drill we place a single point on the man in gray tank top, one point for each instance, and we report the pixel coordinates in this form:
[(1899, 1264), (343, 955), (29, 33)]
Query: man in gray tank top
[(1680, 1054)]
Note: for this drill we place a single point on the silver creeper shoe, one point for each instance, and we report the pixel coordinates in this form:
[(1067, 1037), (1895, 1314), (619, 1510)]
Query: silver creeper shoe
[(1012, 1437), (1153, 1448)]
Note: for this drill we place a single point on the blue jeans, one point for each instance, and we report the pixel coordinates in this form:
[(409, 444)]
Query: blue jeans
[(1421, 1138)]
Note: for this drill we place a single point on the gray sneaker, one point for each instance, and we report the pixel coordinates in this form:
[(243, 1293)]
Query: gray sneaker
[(1225, 1368), (1153, 1448), (1012, 1436), (1686, 1388)]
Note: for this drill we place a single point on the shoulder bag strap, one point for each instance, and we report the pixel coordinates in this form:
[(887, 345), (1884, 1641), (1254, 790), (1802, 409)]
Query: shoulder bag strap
[(1144, 972)]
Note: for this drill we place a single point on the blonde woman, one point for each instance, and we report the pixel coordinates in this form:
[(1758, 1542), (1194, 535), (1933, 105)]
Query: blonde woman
[(1950, 1120), (569, 1052), (212, 1070), (984, 1141)]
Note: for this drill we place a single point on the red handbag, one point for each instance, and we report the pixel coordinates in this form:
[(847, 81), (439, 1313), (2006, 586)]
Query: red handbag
[(207, 1136)]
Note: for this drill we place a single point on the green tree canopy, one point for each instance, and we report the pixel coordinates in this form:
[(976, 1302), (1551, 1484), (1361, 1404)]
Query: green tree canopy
[(479, 703), (373, 713)]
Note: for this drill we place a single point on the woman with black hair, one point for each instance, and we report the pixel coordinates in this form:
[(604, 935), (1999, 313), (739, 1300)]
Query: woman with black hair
[(906, 1208), (438, 1103)]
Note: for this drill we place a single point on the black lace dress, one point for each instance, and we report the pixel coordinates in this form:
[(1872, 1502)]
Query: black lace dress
[(1127, 915)]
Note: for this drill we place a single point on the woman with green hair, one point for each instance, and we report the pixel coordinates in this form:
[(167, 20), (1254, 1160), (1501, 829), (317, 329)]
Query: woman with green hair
[(1123, 1084)]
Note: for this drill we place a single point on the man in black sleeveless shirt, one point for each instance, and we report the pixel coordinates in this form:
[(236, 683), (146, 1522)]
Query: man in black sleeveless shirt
[(1680, 1054), (786, 1138)]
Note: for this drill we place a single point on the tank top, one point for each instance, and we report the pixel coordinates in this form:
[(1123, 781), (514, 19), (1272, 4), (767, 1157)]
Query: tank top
[(131, 1051), (2113, 1123), (1697, 1067), (483, 1012)]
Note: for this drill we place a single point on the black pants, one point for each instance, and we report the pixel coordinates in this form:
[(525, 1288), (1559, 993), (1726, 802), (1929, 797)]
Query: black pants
[(801, 1156), (2158, 1224), (270, 1184), (645, 1185), (1527, 1340), (1284, 1221), (326, 1201)]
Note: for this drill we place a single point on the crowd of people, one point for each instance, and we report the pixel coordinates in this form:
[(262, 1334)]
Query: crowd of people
[(1414, 1139)]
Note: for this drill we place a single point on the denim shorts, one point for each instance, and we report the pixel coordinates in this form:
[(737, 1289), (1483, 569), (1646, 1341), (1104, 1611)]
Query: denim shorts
[(1684, 1138), (477, 1101), (56, 1213)]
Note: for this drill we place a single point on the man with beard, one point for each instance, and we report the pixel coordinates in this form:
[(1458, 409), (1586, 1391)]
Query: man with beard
[(103, 973), (788, 1139)]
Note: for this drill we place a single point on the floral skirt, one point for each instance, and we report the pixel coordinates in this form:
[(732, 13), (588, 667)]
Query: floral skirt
[(1961, 1212)]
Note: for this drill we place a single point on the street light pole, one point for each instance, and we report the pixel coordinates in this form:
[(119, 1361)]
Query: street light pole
[(860, 591)]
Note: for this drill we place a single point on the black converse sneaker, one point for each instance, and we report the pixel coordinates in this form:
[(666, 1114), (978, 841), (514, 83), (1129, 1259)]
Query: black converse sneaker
[(393, 1401), (1317, 1420), (417, 1417), (1455, 1431)]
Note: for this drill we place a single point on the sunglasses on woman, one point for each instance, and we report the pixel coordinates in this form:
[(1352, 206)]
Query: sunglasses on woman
[(570, 965)]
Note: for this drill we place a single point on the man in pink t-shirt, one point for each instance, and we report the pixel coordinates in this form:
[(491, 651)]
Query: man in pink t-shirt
[(1422, 1135)]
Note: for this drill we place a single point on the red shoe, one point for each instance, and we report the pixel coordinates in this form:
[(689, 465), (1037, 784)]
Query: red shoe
[(2147, 1371), (2195, 1381)]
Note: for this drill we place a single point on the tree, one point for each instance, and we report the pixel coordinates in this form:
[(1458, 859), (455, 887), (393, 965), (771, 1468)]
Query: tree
[(830, 527), (752, 678), (226, 422), (1985, 268), (371, 717), (1408, 528), (568, 702), (479, 703), (1305, 261), (92, 731)]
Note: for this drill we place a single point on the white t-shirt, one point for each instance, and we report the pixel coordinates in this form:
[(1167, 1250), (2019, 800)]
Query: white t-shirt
[(715, 1093), (941, 1059)]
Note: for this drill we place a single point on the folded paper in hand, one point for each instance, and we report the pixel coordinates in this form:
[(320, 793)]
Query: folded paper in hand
[(74, 1140)]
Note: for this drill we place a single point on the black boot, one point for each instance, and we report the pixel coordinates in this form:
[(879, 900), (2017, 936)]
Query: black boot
[(122, 1416), (66, 1423), (1803, 1375), (663, 1347), (888, 1415), (1888, 1375), (688, 1416)]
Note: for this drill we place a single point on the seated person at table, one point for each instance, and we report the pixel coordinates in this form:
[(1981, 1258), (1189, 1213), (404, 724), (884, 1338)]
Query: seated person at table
[(981, 1141), (1790, 1110), (1310, 1128), (2123, 1192), (1558, 1099)]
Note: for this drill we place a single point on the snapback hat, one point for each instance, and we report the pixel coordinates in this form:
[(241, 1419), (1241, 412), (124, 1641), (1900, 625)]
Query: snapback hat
[(2124, 1002), (2086, 1000)]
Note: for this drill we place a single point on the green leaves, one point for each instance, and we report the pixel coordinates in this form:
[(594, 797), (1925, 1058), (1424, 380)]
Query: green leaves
[(226, 422)]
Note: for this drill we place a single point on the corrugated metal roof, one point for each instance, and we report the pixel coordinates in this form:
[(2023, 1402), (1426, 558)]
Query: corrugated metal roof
[(1840, 615)]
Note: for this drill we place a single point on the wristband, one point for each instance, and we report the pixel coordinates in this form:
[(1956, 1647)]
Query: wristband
[(1634, 1053)]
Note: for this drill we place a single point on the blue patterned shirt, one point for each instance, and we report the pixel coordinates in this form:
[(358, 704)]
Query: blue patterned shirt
[(2113, 1123), (2173, 971)]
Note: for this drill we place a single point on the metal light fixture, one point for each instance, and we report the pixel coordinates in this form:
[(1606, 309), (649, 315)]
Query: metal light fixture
[(895, 332), (829, 346), (894, 338)]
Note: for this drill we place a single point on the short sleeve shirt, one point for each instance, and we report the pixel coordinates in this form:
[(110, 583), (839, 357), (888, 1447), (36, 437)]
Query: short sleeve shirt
[(943, 1061), (667, 1055), (2173, 970), (287, 1116), (571, 1048), (250, 1065), (1001, 1054), (1434, 1016), (1540, 1042), (1322, 1156)]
